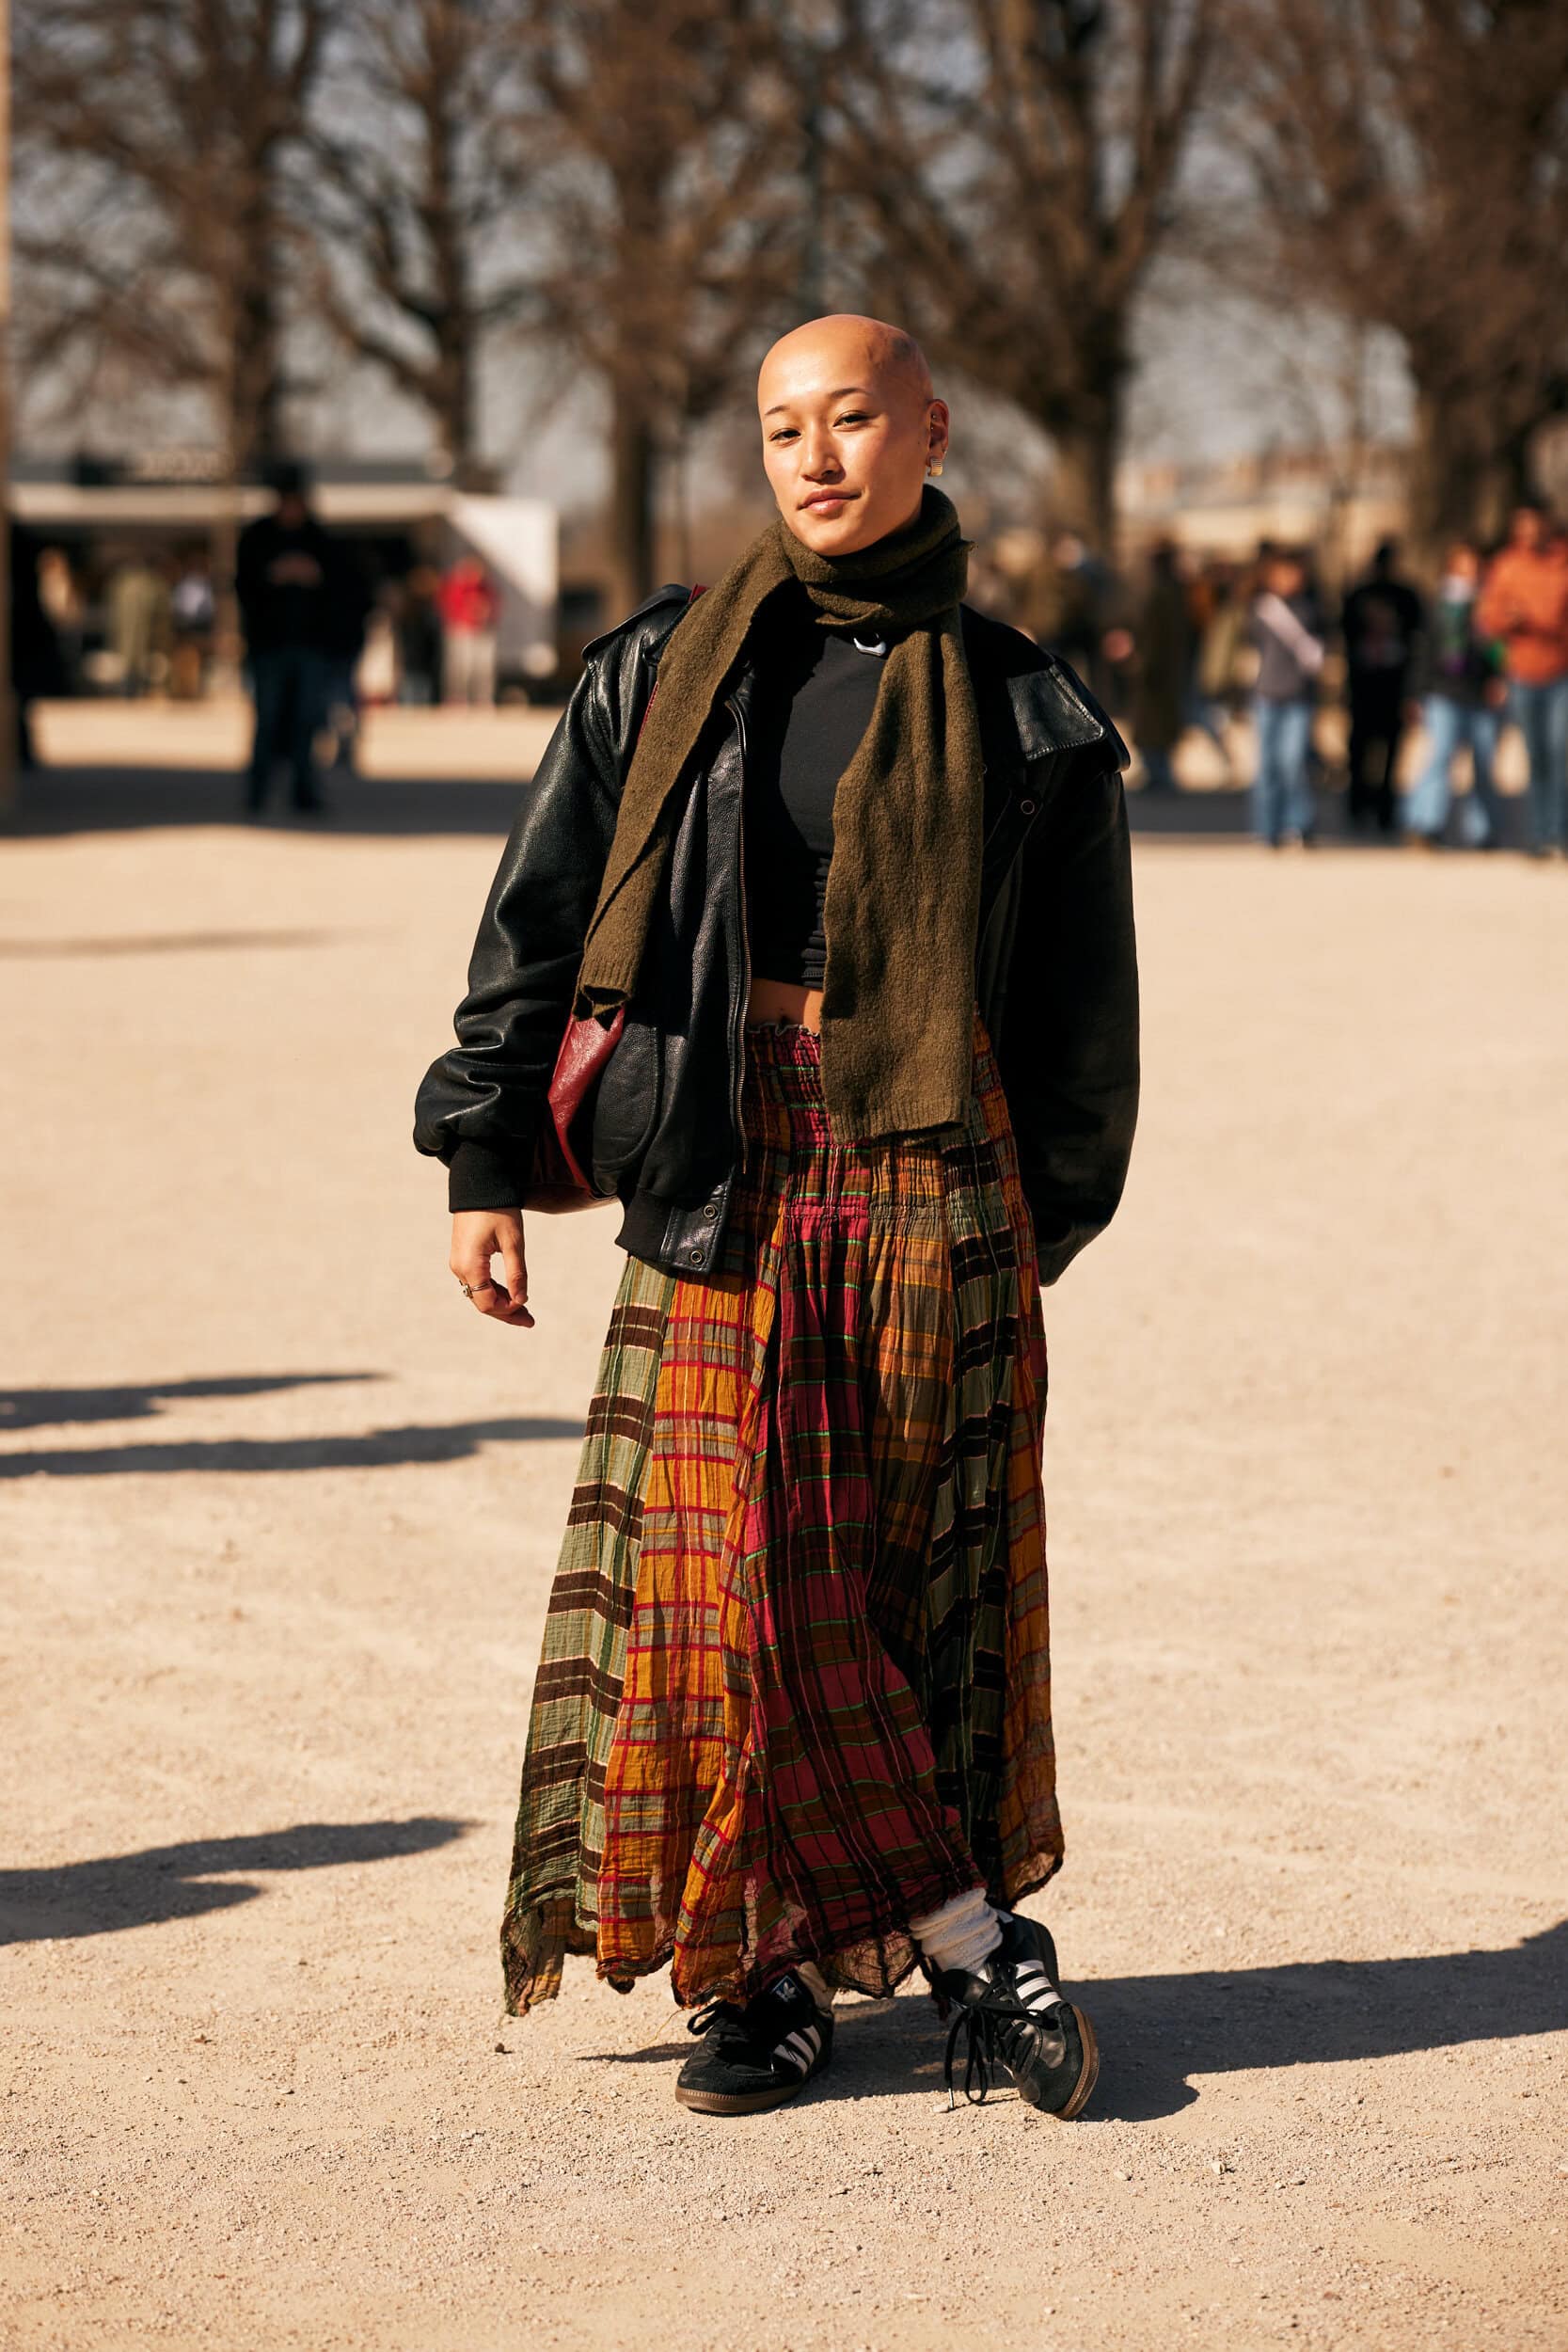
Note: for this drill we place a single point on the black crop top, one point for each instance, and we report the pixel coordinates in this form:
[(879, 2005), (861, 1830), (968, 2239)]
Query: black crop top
[(812, 705)]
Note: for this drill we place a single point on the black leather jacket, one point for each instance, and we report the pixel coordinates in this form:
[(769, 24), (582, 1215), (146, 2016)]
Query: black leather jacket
[(1056, 970)]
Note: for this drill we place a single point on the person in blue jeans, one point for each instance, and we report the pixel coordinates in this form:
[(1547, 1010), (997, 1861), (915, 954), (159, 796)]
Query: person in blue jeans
[(1287, 627), (1523, 601), (1464, 695), (1539, 711)]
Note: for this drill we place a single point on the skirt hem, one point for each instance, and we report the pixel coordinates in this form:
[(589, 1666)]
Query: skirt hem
[(542, 1983)]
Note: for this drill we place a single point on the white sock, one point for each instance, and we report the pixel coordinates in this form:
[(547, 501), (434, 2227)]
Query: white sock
[(962, 1935)]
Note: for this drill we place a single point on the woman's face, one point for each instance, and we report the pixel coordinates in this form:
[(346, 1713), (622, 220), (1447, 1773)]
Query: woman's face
[(849, 424)]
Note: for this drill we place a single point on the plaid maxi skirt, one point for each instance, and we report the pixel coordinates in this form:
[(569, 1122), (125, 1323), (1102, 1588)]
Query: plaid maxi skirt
[(794, 1689)]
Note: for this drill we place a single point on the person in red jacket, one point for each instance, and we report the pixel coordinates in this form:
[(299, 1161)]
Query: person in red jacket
[(1524, 603), (469, 606)]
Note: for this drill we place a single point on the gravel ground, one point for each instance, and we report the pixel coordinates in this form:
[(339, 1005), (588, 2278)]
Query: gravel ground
[(281, 1517)]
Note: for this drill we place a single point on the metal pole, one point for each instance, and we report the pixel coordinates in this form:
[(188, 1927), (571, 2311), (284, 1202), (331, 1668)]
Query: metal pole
[(8, 684)]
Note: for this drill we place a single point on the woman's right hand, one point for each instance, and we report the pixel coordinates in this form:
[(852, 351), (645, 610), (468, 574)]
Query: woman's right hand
[(477, 1237)]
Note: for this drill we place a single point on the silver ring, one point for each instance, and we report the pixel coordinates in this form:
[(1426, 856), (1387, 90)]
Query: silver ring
[(466, 1289)]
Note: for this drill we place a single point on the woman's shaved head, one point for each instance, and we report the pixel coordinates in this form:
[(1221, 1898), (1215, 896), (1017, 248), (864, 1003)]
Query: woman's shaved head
[(850, 424), (868, 343)]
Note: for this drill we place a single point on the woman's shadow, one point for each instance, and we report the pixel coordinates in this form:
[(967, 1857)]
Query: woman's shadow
[(1155, 2032), (135, 1890)]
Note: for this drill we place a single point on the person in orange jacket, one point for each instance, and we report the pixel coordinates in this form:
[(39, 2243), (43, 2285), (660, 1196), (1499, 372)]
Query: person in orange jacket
[(1524, 603)]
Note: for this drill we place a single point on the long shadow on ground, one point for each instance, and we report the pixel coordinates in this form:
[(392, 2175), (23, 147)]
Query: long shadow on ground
[(58, 800), (69, 800), (1228, 817), (138, 1890), (1155, 2032), (378, 1449), (45, 1408), (154, 944)]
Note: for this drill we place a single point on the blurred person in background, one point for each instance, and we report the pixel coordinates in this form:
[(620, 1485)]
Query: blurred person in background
[(139, 623), (59, 595), (348, 621), (37, 670), (1287, 630), (287, 579), (418, 627), (1464, 692), (1163, 672), (1524, 602), (1082, 616), (877, 1083), (193, 615), (376, 678), (470, 610), (1381, 623), (1219, 607)]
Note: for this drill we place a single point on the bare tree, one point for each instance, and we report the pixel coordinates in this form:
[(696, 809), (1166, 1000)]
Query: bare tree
[(1411, 161), (150, 230), (413, 195), (673, 227), (1019, 161)]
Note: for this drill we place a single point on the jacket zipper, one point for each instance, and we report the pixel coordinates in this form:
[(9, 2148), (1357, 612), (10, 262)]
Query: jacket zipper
[(737, 1015)]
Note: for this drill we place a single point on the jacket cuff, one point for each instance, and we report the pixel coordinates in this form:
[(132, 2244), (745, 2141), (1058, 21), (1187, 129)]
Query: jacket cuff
[(1057, 1243), (480, 1177)]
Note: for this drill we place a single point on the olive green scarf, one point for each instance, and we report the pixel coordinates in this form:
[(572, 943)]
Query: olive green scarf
[(903, 886)]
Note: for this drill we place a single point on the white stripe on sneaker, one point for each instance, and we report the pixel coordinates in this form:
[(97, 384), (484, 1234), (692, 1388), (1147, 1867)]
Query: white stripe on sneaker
[(1035, 1988)]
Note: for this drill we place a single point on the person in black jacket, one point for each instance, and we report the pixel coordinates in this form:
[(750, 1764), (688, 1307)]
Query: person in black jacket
[(1381, 621), (293, 591), (850, 894)]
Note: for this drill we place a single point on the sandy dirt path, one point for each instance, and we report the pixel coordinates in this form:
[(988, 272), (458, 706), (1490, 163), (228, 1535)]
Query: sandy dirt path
[(280, 1517)]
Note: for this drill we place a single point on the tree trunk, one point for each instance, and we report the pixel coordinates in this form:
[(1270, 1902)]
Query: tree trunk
[(1083, 487), (1510, 479), (451, 385), (631, 503), (1448, 473), (228, 647)]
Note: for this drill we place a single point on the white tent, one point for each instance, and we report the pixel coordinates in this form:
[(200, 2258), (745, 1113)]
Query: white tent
[(517, 539)]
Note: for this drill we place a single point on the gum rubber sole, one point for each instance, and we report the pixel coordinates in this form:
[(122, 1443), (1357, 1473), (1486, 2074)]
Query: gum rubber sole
[(739, 2101), (1089, 2075)]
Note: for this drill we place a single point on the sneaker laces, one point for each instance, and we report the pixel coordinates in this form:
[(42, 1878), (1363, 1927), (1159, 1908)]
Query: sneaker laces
[(996, 2038), (713, 2013), (765, 2026)]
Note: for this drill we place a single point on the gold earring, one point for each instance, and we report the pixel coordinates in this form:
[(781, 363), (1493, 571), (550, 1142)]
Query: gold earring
[(933, 467)]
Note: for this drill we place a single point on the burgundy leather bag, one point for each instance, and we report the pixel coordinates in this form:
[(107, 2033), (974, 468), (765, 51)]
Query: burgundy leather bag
[(558, 1178)]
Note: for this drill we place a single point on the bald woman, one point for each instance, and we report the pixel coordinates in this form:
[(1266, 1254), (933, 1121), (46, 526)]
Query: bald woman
[(854, 884)]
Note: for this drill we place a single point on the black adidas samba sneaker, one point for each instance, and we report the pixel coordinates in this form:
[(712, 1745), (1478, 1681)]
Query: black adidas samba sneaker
[(759, 2056), (1018, 2025)]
